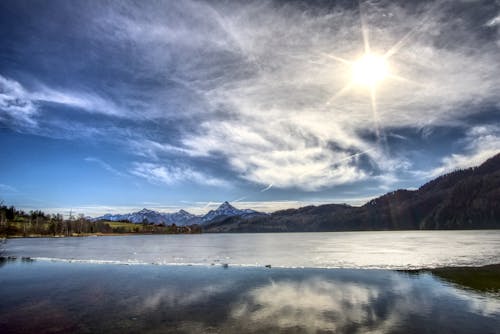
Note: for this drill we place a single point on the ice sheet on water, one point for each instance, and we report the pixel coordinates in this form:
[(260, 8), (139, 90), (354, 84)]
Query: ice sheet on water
[(366, 250)]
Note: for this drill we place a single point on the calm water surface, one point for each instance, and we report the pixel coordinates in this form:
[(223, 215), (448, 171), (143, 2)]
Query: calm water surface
[(383, 250), (59, 297), (87, 285)]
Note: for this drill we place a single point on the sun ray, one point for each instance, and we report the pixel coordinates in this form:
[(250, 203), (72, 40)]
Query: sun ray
[(371, 83), (373, 101), (337, 58), (364, 30), (396, 47), (405, 80), (340, 93), (381, 138), (371, 69)]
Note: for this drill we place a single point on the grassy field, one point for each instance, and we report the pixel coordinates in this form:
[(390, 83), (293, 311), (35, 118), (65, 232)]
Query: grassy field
[(128, 227), (75, 229)]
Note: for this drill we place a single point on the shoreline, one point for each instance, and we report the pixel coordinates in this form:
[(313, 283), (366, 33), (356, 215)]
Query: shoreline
[(493, 268), (83, 235), (76, 235)]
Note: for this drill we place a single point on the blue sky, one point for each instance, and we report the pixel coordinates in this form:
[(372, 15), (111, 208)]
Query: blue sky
[(111, 106)]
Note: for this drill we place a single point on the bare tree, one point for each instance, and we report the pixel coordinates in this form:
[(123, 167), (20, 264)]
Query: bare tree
[(3, 218), (3, 241)]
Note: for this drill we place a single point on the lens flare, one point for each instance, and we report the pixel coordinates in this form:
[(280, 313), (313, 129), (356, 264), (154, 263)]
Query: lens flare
[(369, 70)]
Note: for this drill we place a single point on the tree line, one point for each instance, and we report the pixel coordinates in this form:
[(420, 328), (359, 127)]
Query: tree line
[(15, 222)]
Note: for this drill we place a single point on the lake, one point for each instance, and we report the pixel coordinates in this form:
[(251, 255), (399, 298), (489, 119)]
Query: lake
[(374, 250), (317, 283)]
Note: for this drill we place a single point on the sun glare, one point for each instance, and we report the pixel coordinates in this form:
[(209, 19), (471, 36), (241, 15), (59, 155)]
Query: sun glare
[(369, 70)]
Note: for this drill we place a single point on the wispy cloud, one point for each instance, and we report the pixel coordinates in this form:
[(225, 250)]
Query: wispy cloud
[(87, 101), (481, 143), (5, 188), (23, 105), (166, 174), (266, 188), (104, 165), (250, 85), (281, 130), (494, 21), (273, 155), (15, 102)]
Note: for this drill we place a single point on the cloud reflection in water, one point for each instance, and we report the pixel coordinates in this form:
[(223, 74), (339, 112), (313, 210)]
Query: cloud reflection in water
[(155, 299), (386, 302), (313, 304)]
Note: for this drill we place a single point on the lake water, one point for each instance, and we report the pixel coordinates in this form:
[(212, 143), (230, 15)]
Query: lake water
[(375, 250), (79, 286)]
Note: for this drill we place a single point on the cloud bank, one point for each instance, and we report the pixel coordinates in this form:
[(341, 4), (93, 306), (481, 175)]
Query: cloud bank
[(253, 93)]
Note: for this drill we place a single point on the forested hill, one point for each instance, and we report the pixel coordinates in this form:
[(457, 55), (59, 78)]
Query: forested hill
[(464, 199)]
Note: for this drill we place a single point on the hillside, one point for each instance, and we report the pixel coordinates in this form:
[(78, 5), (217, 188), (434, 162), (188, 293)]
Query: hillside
[(464, 199)]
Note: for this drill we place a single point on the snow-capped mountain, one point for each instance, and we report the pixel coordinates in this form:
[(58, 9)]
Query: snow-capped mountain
[(227, 210), (181, 217)]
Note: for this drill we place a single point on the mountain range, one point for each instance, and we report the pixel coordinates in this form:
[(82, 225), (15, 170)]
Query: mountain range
[(464, 199), (182, 217)]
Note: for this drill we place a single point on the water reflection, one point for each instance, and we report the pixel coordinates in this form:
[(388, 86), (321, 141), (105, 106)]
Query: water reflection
[(131, 299), (173, 297), (356, 307), (313, 305)]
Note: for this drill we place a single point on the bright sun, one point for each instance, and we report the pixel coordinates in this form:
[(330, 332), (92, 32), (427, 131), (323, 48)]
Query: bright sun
[(369, 70)]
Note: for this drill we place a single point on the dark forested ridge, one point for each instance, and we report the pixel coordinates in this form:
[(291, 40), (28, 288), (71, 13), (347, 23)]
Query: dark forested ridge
[(464, 199)]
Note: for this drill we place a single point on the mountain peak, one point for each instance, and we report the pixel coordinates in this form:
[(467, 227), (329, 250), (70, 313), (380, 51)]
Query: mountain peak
[(227, 210), (226, 206)]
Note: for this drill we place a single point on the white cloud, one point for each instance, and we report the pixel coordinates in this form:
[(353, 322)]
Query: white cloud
[(281, 129), (164, 174), (15, 101), (259, 79), (23, 105), (273, 154), (151, 149), (482, 142), (494, 21), (90, 102)]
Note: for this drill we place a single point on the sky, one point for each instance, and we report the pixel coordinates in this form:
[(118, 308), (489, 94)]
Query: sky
[(112, 106)]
